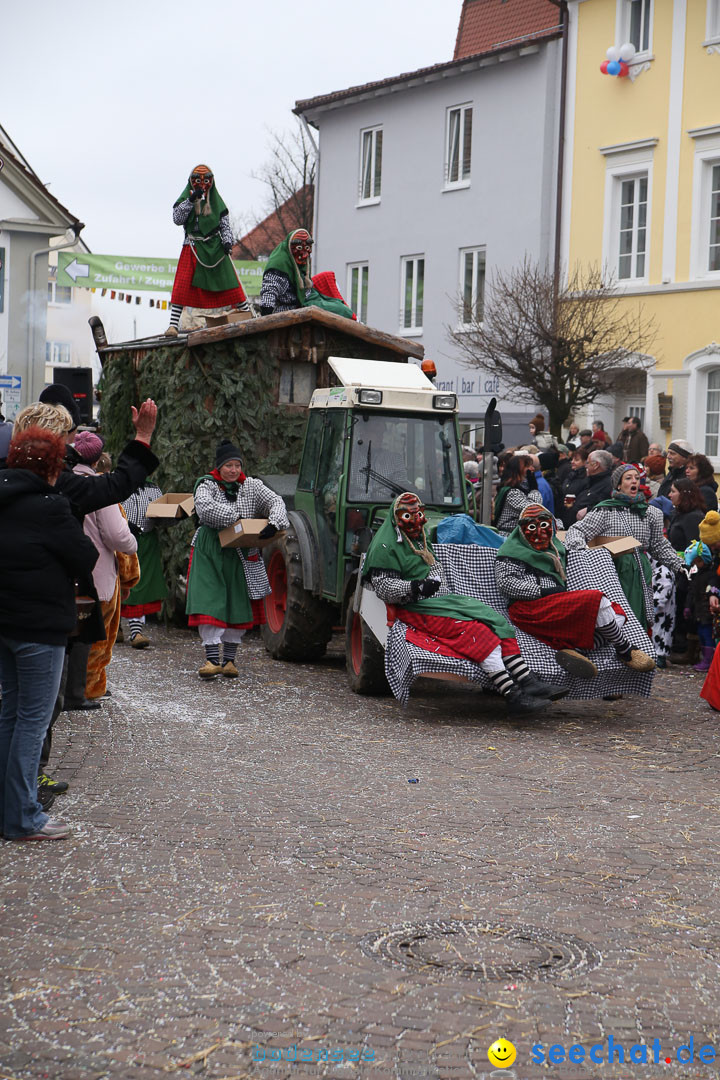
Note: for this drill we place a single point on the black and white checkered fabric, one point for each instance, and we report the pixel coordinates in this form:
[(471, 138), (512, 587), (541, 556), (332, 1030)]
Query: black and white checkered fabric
[(253, 500), (182, 212), (470, 571), (136, 506)]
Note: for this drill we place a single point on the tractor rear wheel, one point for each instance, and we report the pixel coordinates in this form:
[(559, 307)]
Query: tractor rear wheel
[(299, 625), (364, 657)]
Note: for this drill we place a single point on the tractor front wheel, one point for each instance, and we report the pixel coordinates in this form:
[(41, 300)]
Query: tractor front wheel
[(299, 625), (364, 657)]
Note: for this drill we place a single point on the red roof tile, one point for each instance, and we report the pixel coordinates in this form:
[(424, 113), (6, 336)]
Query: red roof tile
[(486, 24), (267, 234)]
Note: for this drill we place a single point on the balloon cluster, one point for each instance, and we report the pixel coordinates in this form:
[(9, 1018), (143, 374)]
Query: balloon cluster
[(618, 60)]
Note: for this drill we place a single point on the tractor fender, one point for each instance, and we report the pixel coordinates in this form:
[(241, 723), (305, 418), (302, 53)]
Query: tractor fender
[(309, 554)]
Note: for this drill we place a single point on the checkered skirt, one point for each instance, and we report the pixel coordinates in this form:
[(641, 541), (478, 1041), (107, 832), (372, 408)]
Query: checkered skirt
[(470, 571)]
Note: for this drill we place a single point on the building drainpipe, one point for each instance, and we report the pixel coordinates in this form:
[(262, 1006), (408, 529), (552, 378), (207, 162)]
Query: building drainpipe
[(75, 229), (562, 5)]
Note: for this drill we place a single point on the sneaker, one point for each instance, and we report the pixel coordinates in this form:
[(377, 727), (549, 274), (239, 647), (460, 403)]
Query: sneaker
[(45, 798), (538, 688), (576, 664), (638, 661), (55, 786), (53, 829), (230, 670), (519, 702), (139, 641), (209, 670)]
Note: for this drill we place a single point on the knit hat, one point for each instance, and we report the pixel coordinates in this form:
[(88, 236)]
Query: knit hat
[(538, 421), (226, 452), (617, 474), (655, 464), (663, 503), (709, 528), (617, 450), (680, 446), (57, 394), (89, 446)]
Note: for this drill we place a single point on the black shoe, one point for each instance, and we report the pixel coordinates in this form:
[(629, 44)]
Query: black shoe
[(538, 688), (70, 704), (519, 702), (57, 787), (45, 798)]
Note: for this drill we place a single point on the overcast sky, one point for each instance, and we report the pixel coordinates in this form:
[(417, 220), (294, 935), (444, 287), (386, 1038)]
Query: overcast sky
[(113, 104)]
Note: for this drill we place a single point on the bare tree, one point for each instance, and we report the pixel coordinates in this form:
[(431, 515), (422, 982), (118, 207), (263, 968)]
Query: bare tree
[(560, 348), (289, 179)]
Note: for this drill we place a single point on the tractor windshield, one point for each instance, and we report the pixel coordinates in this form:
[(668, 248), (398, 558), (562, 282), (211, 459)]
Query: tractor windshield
[(395, 453)]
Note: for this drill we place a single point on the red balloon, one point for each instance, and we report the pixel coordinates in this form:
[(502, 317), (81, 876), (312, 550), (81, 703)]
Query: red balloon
[(624, 70), (603, 66)]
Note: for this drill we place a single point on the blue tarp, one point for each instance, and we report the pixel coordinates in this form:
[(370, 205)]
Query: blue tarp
[(461, 529)]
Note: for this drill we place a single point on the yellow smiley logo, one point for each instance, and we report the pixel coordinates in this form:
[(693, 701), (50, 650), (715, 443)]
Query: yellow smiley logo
[(501, 1054)]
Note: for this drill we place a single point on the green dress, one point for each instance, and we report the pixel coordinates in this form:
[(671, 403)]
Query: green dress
[(217, 591)]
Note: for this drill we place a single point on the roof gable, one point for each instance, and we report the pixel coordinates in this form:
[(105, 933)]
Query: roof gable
[(25, 185), (487, 24)]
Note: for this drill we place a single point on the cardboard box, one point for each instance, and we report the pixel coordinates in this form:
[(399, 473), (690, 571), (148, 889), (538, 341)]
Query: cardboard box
[(616, 545), (229, 317), (172, 505), (244, 533)]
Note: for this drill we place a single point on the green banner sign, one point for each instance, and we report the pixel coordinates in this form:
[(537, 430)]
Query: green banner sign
[(136, 274)]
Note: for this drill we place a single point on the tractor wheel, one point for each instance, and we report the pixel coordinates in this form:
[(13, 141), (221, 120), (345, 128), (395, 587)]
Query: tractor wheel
[(299, 626), (364, 657)]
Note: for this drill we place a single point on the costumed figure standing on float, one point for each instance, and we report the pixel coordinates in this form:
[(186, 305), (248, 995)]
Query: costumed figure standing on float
[(405, 574), (531, 573), (205, 276), (627, 514), (287, 285)]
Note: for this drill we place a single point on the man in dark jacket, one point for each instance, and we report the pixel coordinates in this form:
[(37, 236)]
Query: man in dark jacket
[(678, 453), (599, 482), (635, 441)]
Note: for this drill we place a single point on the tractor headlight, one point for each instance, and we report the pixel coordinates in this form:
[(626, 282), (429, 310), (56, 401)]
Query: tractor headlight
[(444, 401), (370, 397)]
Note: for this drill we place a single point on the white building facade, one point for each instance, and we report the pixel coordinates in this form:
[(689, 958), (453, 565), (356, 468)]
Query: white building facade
[(430, 181)]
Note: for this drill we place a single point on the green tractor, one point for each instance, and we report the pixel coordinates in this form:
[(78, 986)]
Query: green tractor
[(384, 430)]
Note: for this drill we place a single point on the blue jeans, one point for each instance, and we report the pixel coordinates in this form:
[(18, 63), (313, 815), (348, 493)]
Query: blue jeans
[(30, 676)]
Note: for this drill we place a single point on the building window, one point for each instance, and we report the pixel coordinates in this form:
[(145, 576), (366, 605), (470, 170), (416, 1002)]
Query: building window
[(58, 352), (413, 289), (59, 294), (713, 20), (371, 142), (714, 246), (635, 24), (472, 286), (632, 227), (357, 287), (458, 145), (712, 413)]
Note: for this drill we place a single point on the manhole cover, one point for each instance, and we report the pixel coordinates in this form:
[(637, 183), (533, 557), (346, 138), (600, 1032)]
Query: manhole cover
[(479, 950)]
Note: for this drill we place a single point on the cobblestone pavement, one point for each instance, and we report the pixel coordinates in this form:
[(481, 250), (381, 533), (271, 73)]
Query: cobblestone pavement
[(252, 871)]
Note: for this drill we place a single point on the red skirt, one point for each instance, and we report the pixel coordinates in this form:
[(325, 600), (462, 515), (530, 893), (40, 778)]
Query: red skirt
[(461, 639), (134, 611), (185, 293), (563, 620), (711, 687), (258, 618)]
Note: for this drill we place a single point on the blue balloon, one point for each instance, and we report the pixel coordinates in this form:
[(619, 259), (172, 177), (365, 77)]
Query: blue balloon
[(613, 68)]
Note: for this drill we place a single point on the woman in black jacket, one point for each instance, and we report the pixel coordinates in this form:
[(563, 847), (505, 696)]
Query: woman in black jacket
[(689, 510), (699, 469), (573, 485), (43, 549)]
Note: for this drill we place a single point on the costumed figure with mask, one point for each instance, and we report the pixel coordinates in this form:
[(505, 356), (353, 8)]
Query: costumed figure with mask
[(287, 285), (531, 573), (205, 276), (627, 514), (405, 574), (226, 586)]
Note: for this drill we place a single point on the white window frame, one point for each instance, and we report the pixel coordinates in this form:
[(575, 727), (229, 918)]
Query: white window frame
[(462, 181), (707, 154), (54, 353), (52, 294), (355, 294), (712, 25), (415, 328), (622, 28), (701, 365), (626, 161), (372, 132), (479, 256)]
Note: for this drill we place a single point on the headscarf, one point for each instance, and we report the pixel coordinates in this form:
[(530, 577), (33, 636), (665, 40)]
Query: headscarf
[(551, 562)]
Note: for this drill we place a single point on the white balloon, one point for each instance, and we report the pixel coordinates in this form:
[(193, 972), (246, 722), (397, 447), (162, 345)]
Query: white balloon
[(627, 51), (613, 53)]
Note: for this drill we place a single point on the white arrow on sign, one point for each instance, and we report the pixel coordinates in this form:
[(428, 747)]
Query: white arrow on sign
[(13, 382), (76, 270)]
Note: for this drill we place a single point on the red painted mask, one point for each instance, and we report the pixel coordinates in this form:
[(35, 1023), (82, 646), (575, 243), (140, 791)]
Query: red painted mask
[(201, 179), (301, 246), (538, 532), (409, 515)]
